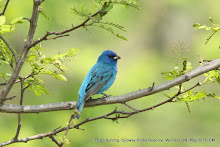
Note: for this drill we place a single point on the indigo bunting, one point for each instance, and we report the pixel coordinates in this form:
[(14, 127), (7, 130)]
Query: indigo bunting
[(100, 77)]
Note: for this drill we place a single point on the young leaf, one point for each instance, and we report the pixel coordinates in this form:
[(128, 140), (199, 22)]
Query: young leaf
[(2, 20), (17, 20), (196, 25), (37, 92), (112, 31), (6, 28), (43, 90), (44, 14), (61, 77), (108, 7)]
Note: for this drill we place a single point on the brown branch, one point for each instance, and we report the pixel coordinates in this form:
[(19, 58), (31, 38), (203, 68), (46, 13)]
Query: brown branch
[(33, 26), (205, 61), (21, 102), (27, 19), (9, 98), (10, 108), (3, 12), (17, 81), (67, 128), (19, 127), (60, 34), (106, 116), (129, 106), (58, 37), (201, 60), (55, 141)]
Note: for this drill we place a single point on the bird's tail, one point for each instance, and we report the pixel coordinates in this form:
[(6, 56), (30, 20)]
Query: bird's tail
[(79, 106)]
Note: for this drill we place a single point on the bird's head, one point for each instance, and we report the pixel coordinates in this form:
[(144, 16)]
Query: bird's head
[(108, 57)]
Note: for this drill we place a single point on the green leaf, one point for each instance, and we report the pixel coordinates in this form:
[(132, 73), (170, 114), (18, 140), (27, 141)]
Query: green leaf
[(2, 20), (218, 97), (213, 95), (201, 95), (72, 51), (188, 107), (166, 95), (43, 90), (108, 7), (208, 28), (61, 77), (120, 36), (112, 31), (36, 66), (17, 20), (7, 28), (37, 92), (191, 96), (44, 14), (202, 27), (196, 25)]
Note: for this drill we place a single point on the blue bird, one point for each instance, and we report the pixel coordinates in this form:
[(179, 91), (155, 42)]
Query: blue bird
[(100, 77)]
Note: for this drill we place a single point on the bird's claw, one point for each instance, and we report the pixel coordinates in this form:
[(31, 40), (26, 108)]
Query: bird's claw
[(104, 96), (90, 99)]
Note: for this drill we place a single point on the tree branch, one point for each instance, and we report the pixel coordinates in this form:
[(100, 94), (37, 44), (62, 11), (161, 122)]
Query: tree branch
[(55, 141), (17, 81), (33, 26), (106, 116), (3, 12), (61, 34), (10, 108)]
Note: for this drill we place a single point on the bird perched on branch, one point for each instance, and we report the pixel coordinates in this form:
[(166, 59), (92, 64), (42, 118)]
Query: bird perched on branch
[(100, 77)]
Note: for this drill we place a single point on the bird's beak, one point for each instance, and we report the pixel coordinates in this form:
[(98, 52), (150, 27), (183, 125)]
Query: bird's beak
[(116, 57)]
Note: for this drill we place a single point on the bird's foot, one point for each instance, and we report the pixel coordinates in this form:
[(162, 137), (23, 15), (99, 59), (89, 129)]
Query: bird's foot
[(104, 96)]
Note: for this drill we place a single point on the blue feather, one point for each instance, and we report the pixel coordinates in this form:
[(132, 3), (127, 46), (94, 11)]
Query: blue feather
[(99, 79)]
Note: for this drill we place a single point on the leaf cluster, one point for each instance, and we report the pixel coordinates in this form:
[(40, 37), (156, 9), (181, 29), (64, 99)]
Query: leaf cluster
[(52, 66), (104, 7), (189, 96), (214, 28), (179, 50), (39, 63), (8, 27)]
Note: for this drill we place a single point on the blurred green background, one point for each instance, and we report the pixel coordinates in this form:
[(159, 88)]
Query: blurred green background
[(147, 53)]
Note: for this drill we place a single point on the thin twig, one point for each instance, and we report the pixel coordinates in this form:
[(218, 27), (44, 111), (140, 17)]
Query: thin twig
[(19, 127), (9, 98), (11, 108), (8, 45), (17, 81), (55, 141), (3, 12), (205, 61), (124, 103), (152, 87), (201, 61), (68, 126), (19, 65), (127, 114), (63, 32), (27, 19), (106, 116), (19, 114), (58, 36)]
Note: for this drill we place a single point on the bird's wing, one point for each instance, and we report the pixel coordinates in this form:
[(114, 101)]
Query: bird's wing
[(95, 84)]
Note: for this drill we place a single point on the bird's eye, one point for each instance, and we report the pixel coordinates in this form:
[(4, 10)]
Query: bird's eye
[(109, 56)]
